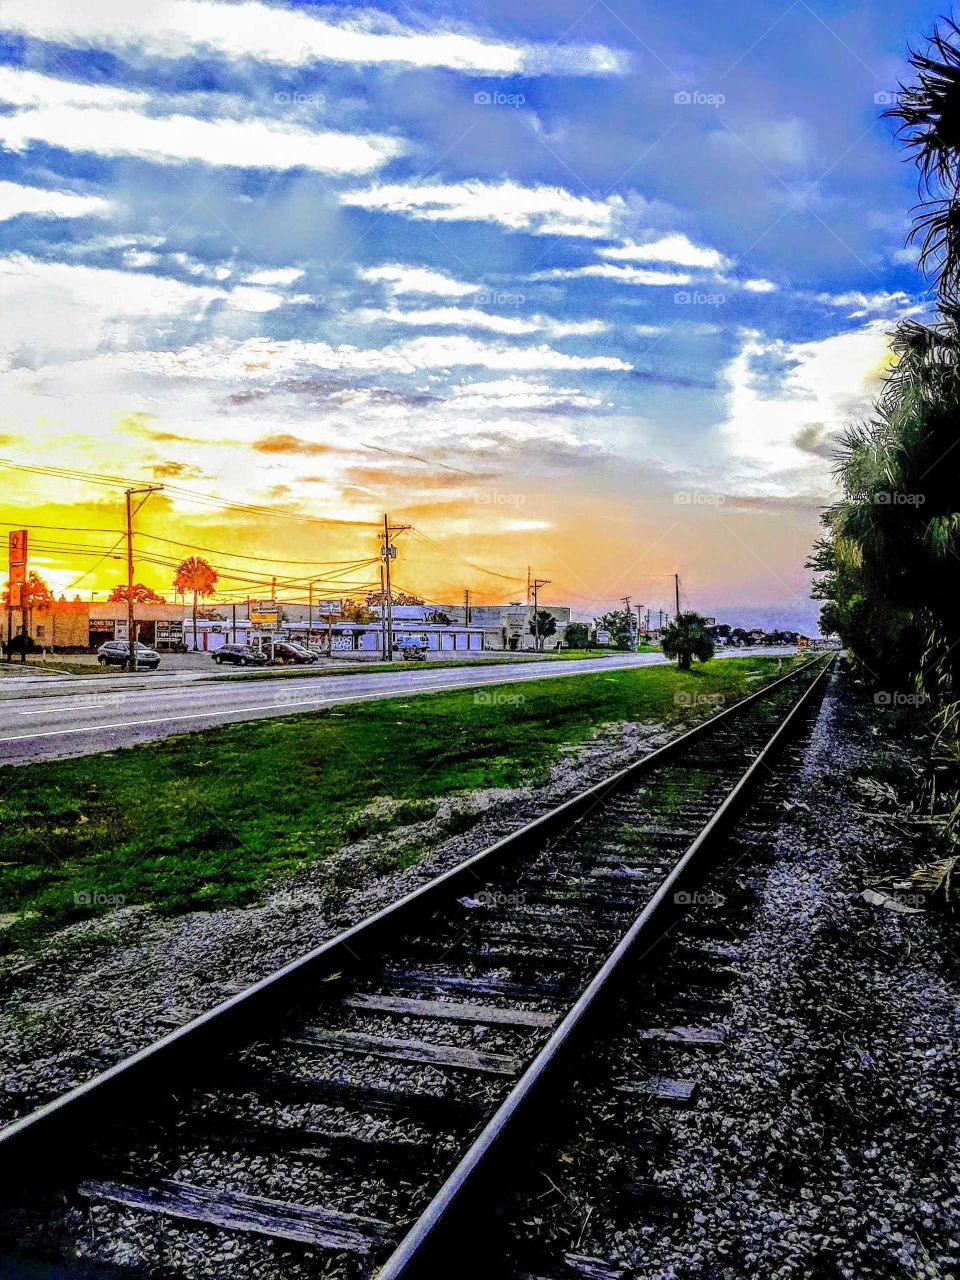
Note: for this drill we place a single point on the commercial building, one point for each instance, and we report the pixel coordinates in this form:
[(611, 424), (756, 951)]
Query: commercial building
[(507, 626)]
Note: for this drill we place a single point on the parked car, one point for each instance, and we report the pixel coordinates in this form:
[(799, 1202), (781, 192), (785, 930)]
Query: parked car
[(289, 651), (413, 653), (240, 655), (116, 653)]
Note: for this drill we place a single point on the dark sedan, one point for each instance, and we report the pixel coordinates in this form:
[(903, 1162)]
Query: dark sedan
[(116, 653), (288, 651), (240, 655)]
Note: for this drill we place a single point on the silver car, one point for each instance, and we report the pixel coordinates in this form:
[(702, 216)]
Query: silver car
[(116, 653)]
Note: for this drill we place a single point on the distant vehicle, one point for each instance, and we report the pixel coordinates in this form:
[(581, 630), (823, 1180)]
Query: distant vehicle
[(116, 653), (288, 651), (413, 653), (240, 655)]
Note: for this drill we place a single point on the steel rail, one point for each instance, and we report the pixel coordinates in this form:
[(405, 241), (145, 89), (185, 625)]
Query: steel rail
[(40, 1145), (421, 1252)]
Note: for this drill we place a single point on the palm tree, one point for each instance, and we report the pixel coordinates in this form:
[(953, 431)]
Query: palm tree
[(196, 575), (686, 638), (929, 115)]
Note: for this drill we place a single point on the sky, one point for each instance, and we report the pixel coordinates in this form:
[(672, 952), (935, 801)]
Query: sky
[(585, 287)]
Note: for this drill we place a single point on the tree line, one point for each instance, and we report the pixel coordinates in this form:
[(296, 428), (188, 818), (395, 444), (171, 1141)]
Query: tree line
[(888, 565)]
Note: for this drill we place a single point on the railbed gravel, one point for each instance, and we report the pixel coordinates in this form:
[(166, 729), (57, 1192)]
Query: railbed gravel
[(824, 1144)]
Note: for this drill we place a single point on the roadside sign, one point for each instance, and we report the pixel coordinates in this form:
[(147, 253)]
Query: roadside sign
[(17, 544), (17, 550), (264, 618)]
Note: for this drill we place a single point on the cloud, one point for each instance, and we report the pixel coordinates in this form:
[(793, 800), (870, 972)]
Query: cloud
[(57, 305), (472, 318), (82, 118), (823, 384), (289, 37), (623, 275), (676, 249), (258, 359), (758, 286), (539, 210), (401, 279), (284, 443), (864, 304), (278, 275), (16, 200)]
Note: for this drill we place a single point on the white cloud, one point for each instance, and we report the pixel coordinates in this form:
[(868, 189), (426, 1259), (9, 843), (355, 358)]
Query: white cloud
[(278, 275), (676, 249), (472, 318), (16, 200), (80, 118), (57, 306), (425, 280), (516, 394), (827, 384), (624, 275), (759, 286), (871, 303), (288, 37), (261, 360), (31, 89), (539, 210)]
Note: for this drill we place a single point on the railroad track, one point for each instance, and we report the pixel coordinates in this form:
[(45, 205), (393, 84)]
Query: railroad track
[(346, 1113)]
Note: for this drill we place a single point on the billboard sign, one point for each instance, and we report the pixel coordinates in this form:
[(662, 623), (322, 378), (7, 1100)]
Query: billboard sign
[(264, 617), (17, 548)]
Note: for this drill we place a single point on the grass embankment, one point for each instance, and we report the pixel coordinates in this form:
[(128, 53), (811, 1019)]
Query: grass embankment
[(208, 819)]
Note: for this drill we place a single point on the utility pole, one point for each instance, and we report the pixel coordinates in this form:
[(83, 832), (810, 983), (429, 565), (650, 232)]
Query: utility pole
[(131, 621), (639, 621), (528, 585), (466, 608), (389, 553), (233, 628), (310, 617), (537, 584), (676, 583)]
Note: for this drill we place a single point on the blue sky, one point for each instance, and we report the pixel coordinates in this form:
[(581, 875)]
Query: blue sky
[(592, 286)]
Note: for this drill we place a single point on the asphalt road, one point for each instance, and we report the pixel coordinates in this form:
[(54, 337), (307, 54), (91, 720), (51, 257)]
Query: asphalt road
[(78, 719)]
